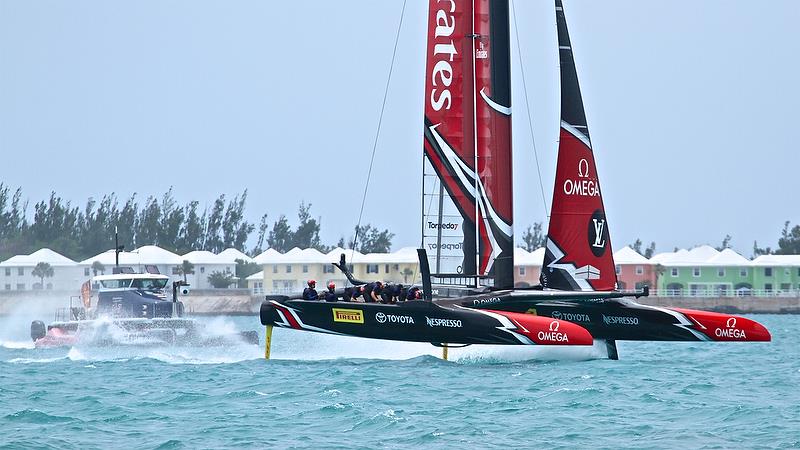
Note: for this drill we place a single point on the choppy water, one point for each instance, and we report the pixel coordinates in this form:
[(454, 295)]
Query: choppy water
[(328, 391)]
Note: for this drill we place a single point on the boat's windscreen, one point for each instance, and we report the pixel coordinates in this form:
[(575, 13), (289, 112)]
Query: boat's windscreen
[(115, 284), (149, 284)]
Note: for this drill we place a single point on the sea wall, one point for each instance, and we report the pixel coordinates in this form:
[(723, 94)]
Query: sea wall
[(222, 301), (731, 305)]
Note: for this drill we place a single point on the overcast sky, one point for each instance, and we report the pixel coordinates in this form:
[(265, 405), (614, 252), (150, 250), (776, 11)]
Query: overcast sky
[(692, 108)]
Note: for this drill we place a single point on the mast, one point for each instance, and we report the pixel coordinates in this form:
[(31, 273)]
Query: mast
[(468, 140), (493, 140), (578, 252), (449, 176)]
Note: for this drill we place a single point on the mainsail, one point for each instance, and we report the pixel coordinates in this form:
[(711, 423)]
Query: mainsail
[(467, 193), (578, 253)]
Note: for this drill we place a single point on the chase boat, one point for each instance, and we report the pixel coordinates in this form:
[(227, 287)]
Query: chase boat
[(131, 309)]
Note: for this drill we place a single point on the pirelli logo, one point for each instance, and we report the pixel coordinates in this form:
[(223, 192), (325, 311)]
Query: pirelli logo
[(348, 315)]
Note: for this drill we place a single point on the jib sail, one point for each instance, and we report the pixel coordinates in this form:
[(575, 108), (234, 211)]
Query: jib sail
[(467, 196), (578, 252)]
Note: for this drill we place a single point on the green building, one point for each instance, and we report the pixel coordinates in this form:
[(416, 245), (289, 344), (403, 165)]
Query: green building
[(777, 274), (705, 271)]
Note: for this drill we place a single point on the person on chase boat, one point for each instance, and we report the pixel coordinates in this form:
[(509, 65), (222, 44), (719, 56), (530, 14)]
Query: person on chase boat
[(310, 293), (330, 294)]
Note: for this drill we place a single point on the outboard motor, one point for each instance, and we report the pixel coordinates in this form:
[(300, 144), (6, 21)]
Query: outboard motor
[(38, 330)]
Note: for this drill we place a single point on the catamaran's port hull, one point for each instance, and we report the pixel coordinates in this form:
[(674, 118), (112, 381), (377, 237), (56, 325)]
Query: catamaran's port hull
[(610, 317), (420, 321)]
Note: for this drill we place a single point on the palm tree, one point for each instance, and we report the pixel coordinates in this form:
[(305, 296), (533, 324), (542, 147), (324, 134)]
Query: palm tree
[(220, 280), (184, 269), (407, 273), (41, 271)]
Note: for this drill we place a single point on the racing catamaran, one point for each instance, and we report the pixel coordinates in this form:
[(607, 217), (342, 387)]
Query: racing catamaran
[(467, 220)]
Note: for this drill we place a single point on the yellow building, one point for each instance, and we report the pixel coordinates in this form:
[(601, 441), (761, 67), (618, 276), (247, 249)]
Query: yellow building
[(287, 273)]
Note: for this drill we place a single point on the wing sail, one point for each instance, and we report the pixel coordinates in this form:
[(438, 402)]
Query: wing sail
[(578, 252)]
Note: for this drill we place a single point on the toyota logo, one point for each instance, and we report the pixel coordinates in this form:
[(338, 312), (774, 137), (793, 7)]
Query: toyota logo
[(380, 317)]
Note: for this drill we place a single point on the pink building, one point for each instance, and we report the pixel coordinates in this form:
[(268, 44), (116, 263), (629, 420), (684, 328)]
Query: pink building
[(527, 266), (633, 270)]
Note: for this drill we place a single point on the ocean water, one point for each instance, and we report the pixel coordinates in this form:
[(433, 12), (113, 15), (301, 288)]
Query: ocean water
[(323, 391)]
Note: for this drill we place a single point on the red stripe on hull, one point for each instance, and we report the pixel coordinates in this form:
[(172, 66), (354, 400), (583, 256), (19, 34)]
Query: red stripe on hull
[(548, 331), (724, 327)]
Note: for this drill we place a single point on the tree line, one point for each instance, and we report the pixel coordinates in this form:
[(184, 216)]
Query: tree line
[(788, 242), (81, 232)]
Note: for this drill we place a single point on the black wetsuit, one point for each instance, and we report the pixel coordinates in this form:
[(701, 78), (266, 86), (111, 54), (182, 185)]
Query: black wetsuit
[(310, 294), (401, 293), (369, 289), (330, 296)]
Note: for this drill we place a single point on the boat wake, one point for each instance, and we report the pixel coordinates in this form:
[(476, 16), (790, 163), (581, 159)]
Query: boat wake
[(170, 355), (14, 345), (293, 345), (125, 348)]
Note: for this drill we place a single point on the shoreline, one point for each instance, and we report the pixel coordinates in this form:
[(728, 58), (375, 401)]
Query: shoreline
[(236, 302)]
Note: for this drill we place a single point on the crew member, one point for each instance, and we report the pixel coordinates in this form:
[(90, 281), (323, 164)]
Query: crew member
[(358, 293), (347, 296), (330, 294), (390, 293), (402, 291), (372, 292), (310, 293), (414, 293), (398, 293), (386, 294)]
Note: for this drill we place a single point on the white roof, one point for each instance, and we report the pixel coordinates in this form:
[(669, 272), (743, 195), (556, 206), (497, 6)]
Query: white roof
[(303, 256), (777, 260), (728, 257), (669, 257), (42, 255), (267, 256), (256, 276), (293, 256), (130, 276), (203, 257), (350, 255), (523, 257), (148, 254), (406, 255), (703, 255), (232, 254), (627, 255)]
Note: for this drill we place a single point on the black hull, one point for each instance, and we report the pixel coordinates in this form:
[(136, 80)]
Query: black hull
[(421, 321), (610, 316), (511, 317)]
